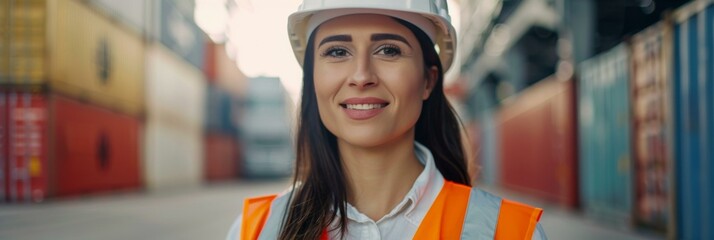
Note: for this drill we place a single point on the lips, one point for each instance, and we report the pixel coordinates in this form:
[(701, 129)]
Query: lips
[(363, 108)]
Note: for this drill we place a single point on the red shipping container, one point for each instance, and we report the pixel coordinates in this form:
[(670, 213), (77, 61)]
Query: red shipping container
[(95, 149), (538, 143), (63, 147), (221, 157)]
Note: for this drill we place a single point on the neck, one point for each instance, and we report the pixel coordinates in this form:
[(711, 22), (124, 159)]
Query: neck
[(379, 177)]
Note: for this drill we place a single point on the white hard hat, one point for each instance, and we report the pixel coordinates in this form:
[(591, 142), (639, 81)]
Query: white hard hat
[(431, 16)]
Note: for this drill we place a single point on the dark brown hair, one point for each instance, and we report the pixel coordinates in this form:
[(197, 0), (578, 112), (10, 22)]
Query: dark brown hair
[(320, 192)]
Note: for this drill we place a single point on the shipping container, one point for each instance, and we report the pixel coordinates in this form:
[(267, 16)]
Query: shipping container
[(22, 41), (221, 70), (221, 159), (537, 143), (173, 140), (693, 100), (74, 50), (651, 125), (222, 111), (61, 147), (606, 189), (172, 24), (94, 149)]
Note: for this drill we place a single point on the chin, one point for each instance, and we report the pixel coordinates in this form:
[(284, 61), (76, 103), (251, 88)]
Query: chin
[(363, 140)]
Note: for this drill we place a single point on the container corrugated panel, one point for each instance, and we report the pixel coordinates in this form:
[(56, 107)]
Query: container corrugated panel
[(221, 159), (94, 149), (604, 136), (693, 93), (26, 150), (22, 41), (537, 142), (92, 58), (221, 110), (650, 87), (173, 150)]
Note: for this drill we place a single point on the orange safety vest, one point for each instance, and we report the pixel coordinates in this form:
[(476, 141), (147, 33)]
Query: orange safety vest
[(459, 212)]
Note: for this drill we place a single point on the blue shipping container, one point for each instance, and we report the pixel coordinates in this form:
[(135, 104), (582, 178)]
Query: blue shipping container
[(693, 118), (604, 132), (221, 111)]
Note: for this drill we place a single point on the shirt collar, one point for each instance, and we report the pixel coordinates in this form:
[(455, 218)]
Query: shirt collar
[(423, 182)]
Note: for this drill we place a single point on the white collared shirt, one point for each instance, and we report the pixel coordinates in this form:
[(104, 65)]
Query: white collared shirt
[(404, 220)]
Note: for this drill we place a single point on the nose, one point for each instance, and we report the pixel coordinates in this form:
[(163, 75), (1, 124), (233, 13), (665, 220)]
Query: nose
[(363, 75)]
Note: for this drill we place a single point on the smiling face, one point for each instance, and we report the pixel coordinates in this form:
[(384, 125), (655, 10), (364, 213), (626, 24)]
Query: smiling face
[(370, 79)]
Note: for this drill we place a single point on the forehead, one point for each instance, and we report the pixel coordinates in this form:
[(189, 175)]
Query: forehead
[(363, 23)]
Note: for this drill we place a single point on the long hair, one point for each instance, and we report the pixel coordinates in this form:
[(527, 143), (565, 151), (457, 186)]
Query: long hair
[(319, 195)]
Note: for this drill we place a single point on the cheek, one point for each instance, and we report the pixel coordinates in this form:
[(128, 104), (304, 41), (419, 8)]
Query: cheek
[(326, 88)]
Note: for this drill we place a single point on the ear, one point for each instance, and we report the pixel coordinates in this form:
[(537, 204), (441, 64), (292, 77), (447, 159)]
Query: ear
[(431, 76)]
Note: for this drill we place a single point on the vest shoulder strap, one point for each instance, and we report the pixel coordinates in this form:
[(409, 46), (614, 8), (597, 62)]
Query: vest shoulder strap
[(445, 218), (517, 220), (255, 213)]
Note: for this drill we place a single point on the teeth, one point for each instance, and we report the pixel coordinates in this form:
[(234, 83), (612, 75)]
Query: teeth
[(364, 106)]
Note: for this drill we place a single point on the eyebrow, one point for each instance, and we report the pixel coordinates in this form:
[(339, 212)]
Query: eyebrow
[(389, 36), (336, 38), (375, 37)]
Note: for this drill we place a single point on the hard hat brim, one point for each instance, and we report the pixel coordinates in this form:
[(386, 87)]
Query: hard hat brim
[(444, 34)]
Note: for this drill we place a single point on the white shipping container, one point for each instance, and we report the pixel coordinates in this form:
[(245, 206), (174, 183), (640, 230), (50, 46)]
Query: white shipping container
[(172, 156), (174, 89), (173, 143)]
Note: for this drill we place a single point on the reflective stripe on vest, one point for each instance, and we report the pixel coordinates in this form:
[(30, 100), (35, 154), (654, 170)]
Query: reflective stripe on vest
[(459, 212)]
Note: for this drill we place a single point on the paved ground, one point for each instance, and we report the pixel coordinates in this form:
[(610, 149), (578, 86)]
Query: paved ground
[(206, 213)]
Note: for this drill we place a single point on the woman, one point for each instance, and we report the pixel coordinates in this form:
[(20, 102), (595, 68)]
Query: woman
[(379, 154)]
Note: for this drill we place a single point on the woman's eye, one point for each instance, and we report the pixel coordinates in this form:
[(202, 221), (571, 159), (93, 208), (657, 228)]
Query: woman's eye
[(390, 50), (335, 52)]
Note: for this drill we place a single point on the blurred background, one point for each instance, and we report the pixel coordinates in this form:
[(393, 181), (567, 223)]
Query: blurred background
[(153, 119)]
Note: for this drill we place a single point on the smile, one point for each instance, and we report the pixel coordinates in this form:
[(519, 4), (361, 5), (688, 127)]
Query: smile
[(364, 106)]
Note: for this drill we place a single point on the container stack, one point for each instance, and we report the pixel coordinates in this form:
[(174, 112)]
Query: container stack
[(226, 84), (175, 96), (72, 97)]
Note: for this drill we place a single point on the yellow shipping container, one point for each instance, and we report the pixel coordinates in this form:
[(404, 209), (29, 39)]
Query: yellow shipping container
[(76, 51)]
